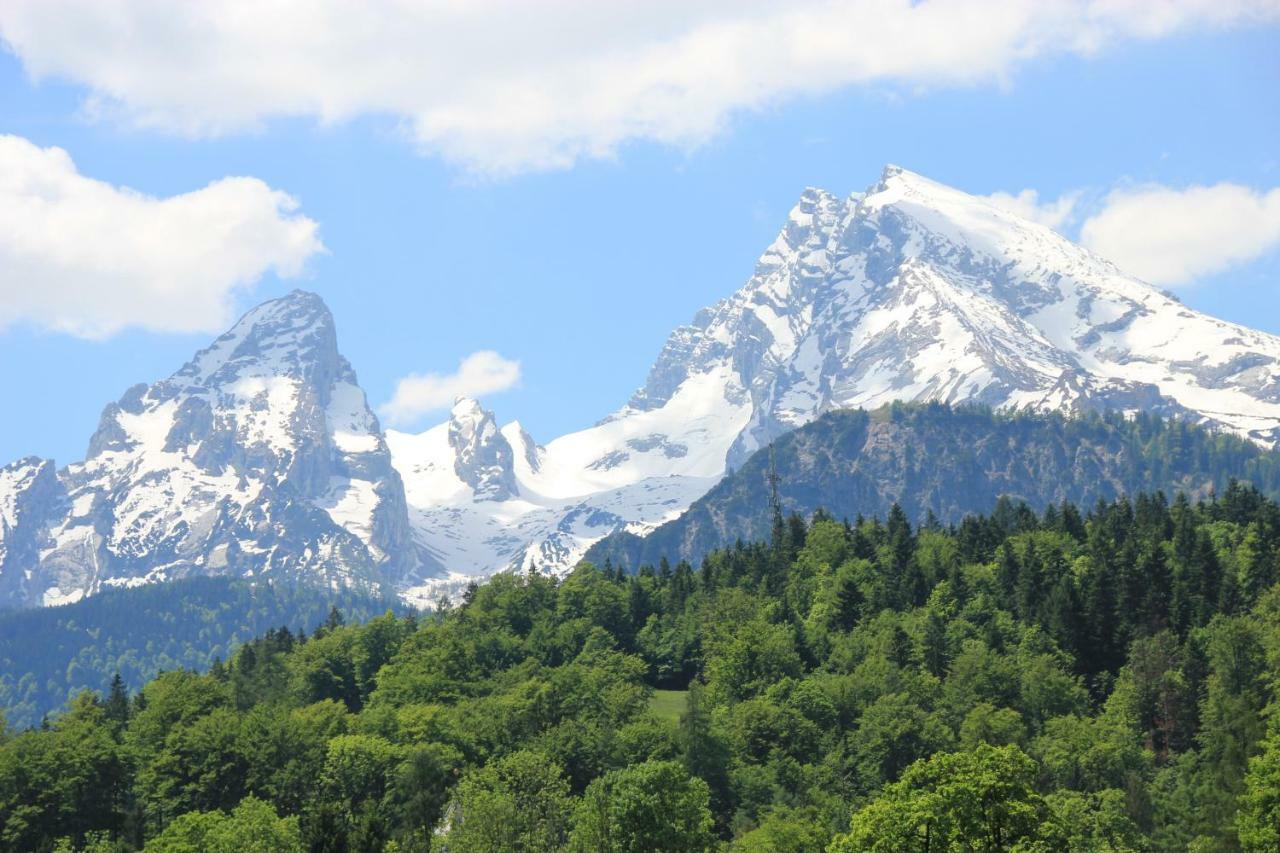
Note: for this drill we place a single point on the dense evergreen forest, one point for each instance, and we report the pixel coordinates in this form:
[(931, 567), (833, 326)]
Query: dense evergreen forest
[(1094, 679), (49, 655)]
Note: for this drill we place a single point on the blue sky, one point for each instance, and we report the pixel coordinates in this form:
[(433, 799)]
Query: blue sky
[(578, 266)]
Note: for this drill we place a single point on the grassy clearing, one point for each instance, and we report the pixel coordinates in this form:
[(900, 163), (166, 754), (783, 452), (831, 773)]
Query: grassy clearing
[(669, 704)]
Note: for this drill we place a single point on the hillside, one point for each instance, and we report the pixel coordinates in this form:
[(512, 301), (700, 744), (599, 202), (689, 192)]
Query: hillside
[(50, 654), (949, 462)]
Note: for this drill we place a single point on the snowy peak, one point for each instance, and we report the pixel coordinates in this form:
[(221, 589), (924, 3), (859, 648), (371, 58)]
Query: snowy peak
[(259, 455), (483, 458), (914, 290), (291, 336)]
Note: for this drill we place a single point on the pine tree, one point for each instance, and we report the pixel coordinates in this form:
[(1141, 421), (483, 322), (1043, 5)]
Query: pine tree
[(116, 706), (1029, 586)]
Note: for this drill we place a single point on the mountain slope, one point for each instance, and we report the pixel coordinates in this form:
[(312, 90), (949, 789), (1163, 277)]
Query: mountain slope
[(482, 499), (259, 456), (49, 655), (951, 462), (911, 291)]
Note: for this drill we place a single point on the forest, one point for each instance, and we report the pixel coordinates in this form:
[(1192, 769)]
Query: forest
[(48, 655), (1098, 678)]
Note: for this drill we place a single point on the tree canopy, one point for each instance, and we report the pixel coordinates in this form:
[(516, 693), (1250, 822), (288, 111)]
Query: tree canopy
[(1077, 679)]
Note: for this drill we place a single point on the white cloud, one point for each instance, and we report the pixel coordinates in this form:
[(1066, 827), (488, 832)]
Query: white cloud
[(508, 85), (87, 258), (1027, 204), (1173, 237), (483, 372)]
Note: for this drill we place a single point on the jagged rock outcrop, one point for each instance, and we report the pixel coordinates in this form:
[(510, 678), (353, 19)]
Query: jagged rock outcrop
[(482, 456)]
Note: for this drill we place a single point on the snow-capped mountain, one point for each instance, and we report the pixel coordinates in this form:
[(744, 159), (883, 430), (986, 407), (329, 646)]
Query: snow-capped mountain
[(260, 456), (909, 291)]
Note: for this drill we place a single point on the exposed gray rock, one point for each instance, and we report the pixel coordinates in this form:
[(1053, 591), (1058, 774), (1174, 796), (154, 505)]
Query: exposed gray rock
[(482, 455)]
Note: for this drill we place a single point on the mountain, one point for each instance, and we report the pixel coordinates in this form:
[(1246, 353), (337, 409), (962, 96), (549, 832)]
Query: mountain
[(259, 457), (910, 291), (951, 462)]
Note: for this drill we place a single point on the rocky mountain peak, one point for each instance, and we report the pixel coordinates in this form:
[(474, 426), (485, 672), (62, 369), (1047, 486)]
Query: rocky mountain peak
[(910, 291), (259, 455), (293, 336), (483, 458)]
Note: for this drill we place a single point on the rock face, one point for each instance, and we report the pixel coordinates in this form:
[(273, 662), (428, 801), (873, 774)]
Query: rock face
[(482, 456), (30, 494), (910, 291), (259, 456)]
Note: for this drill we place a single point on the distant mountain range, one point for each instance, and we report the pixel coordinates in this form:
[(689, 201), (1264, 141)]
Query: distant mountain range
[(261, 457)]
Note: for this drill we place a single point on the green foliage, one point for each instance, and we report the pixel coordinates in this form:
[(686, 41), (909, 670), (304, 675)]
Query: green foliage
[(1260, 804), (784, 830), (654, 807), (1072, 680), (979, 800), (251, 827), (520, 802)]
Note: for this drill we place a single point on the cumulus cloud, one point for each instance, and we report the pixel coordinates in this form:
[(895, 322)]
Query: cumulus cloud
[(87, 258), (506, 85), (483, 372), (1027, 204), (1172, 237)]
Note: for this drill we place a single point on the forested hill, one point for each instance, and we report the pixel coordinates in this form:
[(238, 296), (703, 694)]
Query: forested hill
[(950, 462), (1080, 681), (48, 655)]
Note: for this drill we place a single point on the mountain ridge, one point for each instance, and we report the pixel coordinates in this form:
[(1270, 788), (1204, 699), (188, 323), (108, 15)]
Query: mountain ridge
[(946, 463)]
